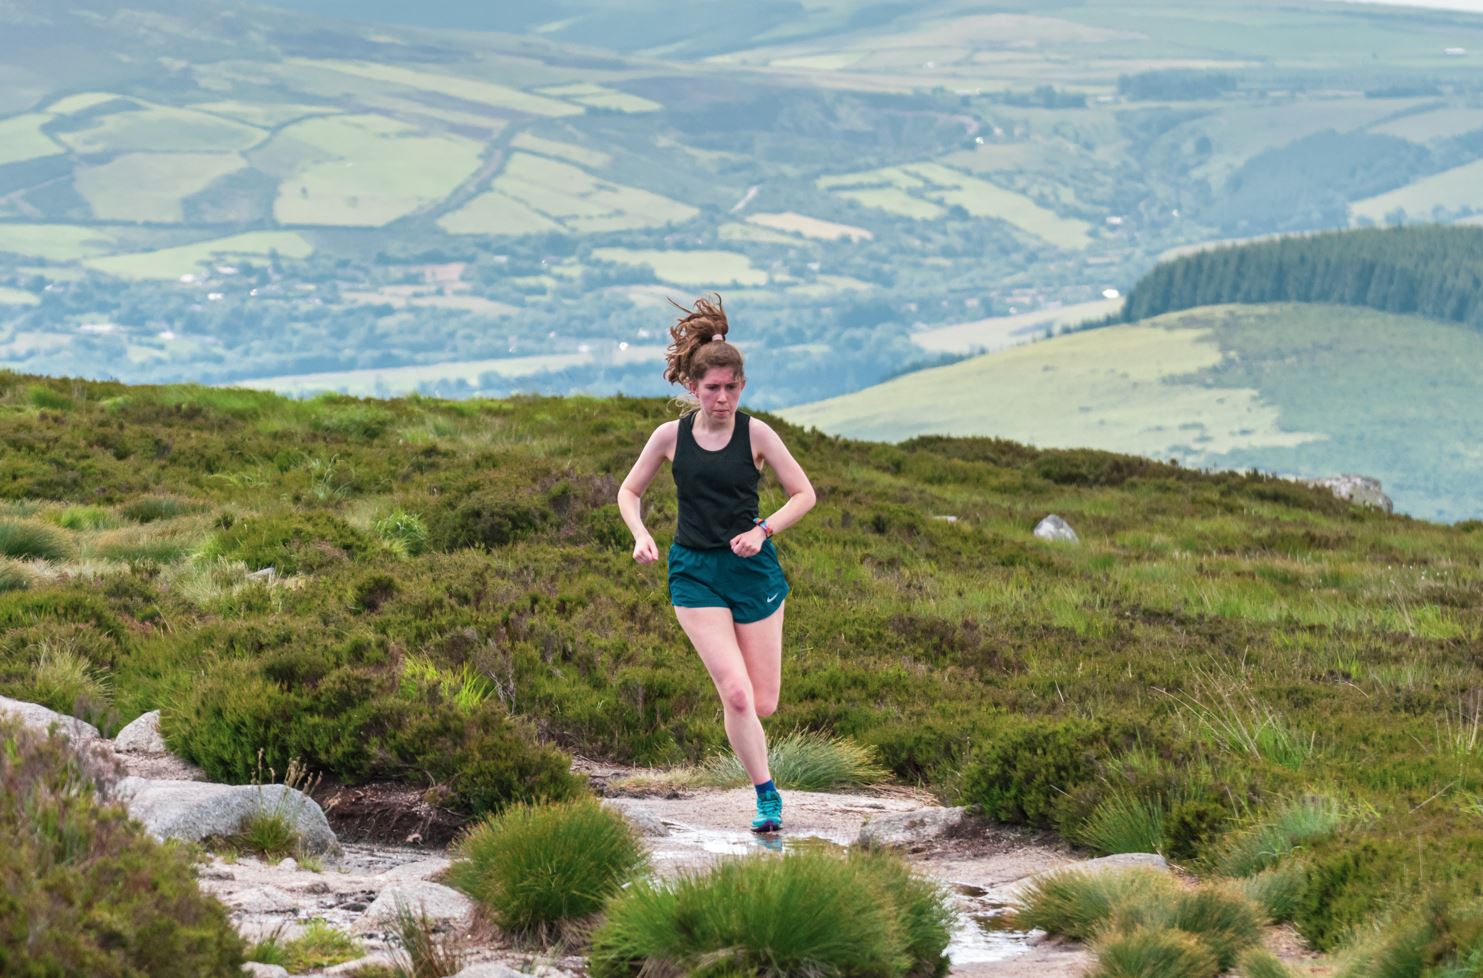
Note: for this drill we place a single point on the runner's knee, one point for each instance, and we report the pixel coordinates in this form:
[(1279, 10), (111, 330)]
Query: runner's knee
[(767, 704), (736, 696)]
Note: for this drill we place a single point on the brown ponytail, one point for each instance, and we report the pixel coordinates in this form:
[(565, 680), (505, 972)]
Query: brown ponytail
[(698, 343)]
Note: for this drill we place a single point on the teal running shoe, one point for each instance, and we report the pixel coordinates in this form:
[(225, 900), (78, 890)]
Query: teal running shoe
[(769, 813)]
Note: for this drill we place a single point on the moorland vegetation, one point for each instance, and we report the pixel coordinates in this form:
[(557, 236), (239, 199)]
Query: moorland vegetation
[(1249, 675)]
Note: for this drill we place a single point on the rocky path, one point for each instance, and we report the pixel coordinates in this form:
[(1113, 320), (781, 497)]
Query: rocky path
[(356, 886)]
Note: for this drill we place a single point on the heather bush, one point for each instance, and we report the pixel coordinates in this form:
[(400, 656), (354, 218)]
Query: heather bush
[(1024, 772), (87, 891), (290, 543)]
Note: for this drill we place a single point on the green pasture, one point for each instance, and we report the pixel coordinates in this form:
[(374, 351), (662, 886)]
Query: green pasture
[(1239, 132), (1234, 386), (810, 227), (419, 110), (140, 126), (151, 186), (1425, 127), (567, 195), (21, 138), (267, 114), (458, 86), (580, 155), (925, 190), (1460, 188), (700, 268), (737, 231), (1000, 332), (80, 102), (389, 381), (170, 263), (17, 297), (496, 213), (380, 169), (56, 242)]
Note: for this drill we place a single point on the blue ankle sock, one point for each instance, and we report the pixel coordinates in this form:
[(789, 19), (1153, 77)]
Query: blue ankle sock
[(765, 787)]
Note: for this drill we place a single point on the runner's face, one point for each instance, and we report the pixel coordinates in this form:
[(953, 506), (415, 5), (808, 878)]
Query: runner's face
[(718, 392)]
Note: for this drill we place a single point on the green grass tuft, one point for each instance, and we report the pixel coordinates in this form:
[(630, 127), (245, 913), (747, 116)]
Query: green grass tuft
[(319, 945), (538, 869), (1276, 889), (64, 680), (13, 576), (813, 913), (1078, 905), (405, 533), (1284, 830), (31, 541), (1154, 953), (804, 760), (1124, 822), (421, 952), (269, 834), (151, 509), (1261, 963), (84, 518)]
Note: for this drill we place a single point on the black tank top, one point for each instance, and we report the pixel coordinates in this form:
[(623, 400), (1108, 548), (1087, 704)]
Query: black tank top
[(717, 490)]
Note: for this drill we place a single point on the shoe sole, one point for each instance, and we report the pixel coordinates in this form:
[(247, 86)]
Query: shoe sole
[(768, 827)]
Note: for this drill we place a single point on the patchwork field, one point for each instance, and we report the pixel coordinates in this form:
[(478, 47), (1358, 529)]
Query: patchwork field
[(1001, 332), (17, 297), (56, 242), (119, 125), (373, 170), (456, 86), (704, 268), (534, 193), (171, 263), (151, 186), (926, 190), (388, 381), (1232, 387), (1458, 189), (811, 227), (21, 138)]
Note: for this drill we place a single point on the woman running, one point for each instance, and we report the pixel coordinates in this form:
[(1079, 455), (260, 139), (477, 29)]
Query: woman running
[(725, 583)]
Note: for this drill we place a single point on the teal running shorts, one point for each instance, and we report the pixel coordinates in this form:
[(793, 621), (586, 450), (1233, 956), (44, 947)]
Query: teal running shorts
[(752, 587)]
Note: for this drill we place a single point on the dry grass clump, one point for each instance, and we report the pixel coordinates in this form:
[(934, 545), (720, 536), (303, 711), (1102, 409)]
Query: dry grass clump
[(804, 760)]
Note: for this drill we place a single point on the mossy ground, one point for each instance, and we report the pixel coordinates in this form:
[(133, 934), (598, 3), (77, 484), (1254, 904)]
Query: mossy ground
[(1217, 644)]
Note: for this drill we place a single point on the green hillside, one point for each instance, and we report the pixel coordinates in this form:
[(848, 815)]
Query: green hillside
[(1297, 389), (454, 605), (221, 191)]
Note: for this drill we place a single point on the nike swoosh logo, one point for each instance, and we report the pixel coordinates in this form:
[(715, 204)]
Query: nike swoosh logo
[(771, 597)]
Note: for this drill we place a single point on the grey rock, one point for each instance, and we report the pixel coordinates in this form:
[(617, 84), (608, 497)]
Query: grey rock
[(142, 736), (264, 970), (266, 574), (289, 865), (352, 967), (261, 900), (1055, 528), (903, 828), (644, 822), (195, 810), (421, 869), (490, 969), (1361, 489), (442, 905), (38, 717)]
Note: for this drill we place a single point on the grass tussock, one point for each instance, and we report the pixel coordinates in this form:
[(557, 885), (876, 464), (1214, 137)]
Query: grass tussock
[(25, 540), (420, 950), (13, 575), (1261, 963), (805, 914), (803, 760), (84, 518), (539, 870), (1142, 919), (1282, 831)]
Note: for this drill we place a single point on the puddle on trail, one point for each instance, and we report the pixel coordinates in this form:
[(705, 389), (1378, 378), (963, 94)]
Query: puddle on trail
[(982, 929)]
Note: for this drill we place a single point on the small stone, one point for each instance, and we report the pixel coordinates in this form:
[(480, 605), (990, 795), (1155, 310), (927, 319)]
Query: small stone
[(644, 822), (490, 969), (289, 865), (1055, 528), (442, 905), (264, 970), (904, 828), (142, 736)]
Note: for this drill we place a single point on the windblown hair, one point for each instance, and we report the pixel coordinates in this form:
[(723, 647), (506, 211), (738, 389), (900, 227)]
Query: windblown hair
[(699, 343)]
